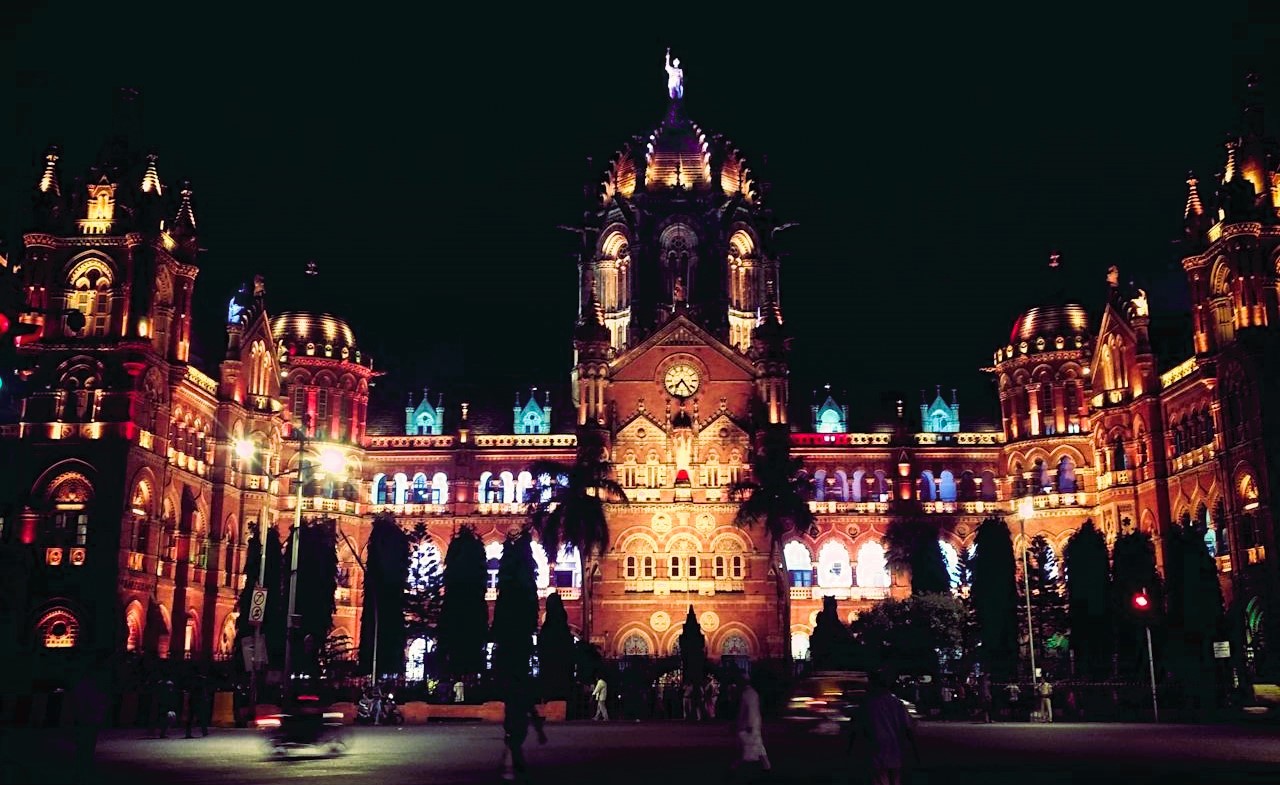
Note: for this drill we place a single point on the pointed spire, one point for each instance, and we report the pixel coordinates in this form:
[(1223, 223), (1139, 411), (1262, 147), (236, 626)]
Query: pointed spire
[(954, 400), (1194, 206), (185, 221), (151, 178), (49, 179)]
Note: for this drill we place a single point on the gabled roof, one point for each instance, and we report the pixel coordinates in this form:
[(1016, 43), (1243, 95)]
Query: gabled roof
[(680, 330)]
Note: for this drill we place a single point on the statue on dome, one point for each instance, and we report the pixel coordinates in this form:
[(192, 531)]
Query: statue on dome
[(675, 77)]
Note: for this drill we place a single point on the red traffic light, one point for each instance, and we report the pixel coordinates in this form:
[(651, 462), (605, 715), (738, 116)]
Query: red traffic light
[(1141, 601), (4, 324)]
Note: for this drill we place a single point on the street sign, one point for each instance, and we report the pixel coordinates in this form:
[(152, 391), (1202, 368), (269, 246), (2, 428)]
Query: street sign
[(1221, 650), (258, 606)]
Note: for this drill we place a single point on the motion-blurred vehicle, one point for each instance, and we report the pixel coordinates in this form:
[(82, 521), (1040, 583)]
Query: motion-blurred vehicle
[(826, 701), (307, 727)]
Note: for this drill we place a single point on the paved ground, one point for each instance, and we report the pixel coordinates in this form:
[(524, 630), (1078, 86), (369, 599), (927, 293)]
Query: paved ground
[(954, 753)]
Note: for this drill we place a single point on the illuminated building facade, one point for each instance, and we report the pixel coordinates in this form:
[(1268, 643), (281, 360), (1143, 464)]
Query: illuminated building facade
[(135, 476)]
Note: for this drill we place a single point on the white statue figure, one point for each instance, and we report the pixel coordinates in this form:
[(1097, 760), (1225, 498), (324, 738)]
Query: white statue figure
[(1140, 303), (675, 77)]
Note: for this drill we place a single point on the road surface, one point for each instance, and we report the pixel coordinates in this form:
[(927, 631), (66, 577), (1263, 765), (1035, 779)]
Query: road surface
[(670, 753)]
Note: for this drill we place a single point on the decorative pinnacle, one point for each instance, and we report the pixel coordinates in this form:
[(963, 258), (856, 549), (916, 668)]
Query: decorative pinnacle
[(49, 179), (151, 178), (1194, 207)]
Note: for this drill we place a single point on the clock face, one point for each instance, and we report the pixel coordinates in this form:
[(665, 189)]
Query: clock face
[(682, 380)]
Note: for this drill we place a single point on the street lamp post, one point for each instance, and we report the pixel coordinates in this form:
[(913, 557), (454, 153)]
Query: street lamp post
[(1142, 604), (1027, 509), (245, 450), (331, 461)]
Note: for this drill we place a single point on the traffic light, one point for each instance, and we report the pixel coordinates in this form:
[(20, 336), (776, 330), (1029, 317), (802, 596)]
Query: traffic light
[(1141, 602), (12, 304)]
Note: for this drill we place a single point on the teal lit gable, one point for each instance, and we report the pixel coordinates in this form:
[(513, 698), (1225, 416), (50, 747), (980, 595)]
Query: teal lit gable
[(940, 416), (424, 419), (532, 417), (830, 417)]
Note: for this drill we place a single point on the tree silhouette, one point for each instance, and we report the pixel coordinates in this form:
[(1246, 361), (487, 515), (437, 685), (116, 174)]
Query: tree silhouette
[(386, 571), (464, 617), (1195, 614), (1089, 609), (995, 597), (922, 634), (570, 509), (912, 545), (317, 583), (1133, 570), (693, 650), (252, 566), (555, 650), (424, 590), (830, 645), (1047, 602), (776, 498), (277, 582), (515, 614)]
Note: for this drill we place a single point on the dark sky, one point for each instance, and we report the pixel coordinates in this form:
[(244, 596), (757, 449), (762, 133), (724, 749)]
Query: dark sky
[(424, 161)]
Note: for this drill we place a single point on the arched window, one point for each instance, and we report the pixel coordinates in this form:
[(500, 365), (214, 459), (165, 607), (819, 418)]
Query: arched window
[(439, 488), (880, 487), (421, 490), (834, 570), (524, 488), (1040, 478), (568, 568), (926, 490), (735, 646), (968, 489), (402, 488), (829, 422), (799, 563), (799, 645), (91, 296), (947, 486), (635, 646), (873, 571), (508, 488), (1066, 475)]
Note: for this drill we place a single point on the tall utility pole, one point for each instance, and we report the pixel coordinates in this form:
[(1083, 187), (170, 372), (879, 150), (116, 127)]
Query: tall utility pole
[(1026, 510), (290, 621)]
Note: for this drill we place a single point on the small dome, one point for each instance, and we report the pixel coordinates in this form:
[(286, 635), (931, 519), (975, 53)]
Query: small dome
[(1050, 321), (316, 335)]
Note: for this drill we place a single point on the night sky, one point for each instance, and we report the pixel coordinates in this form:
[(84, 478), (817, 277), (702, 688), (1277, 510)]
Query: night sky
[(424, 162)]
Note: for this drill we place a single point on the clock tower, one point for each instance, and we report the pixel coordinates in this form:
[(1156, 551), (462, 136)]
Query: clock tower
[(679, 359)]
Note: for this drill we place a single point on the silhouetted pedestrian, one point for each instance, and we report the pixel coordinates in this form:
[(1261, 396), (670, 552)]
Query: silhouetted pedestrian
[(198, 704), (519, 712)]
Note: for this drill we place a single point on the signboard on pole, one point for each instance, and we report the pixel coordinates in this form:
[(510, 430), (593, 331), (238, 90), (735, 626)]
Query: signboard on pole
[(258, 606), (1221, 650)]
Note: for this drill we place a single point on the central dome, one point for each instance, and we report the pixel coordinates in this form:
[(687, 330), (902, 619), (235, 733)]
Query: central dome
[(678, 156), (1050, 321)]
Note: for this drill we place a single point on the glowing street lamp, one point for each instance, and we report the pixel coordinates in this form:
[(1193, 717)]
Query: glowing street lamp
[(333, 461), (244, 449), (1142, 607)]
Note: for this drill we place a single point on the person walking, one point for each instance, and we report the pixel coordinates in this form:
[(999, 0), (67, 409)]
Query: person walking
[(459, 692), (519, 711), (750, 731), (881, 731), (198, 704), (165, 707), (984, 697), (601, 695), (710, 694), (1045, 691)]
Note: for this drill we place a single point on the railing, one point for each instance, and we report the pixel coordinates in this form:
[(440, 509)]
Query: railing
[(842, 439), (316, 504), (527, 440), (201, 380), (1193, 457), (840, 592), (386, 442), (1115, 479), (968, 439), (833, 508), (1048, 501), (969, 508), (494, 508), (415, 509), (1108, 398), (1178, 372)]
